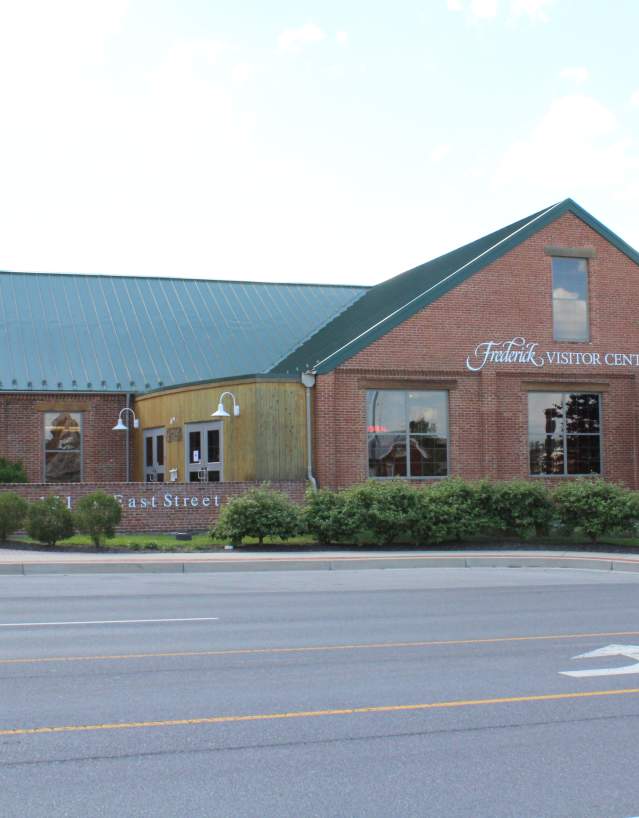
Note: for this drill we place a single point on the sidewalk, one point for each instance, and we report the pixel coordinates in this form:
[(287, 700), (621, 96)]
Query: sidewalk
[(17, 561)]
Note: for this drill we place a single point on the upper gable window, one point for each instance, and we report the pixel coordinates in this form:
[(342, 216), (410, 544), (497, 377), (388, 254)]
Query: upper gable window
[(570, 299)]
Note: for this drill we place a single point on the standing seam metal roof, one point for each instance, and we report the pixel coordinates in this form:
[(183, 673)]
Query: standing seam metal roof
[(65, 332)]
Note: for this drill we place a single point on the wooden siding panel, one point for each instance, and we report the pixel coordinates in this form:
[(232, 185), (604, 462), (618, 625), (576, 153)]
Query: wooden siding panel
[(266, 442)]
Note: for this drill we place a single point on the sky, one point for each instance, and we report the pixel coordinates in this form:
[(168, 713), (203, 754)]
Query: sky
[(332, 142)]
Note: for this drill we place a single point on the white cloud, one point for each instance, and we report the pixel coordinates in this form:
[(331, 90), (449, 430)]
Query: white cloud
[(342, 37), (634, 98), (483, 8), (439, 152), (577, 74), (487, 9), (294, 39), (577, 144), (535, 9)]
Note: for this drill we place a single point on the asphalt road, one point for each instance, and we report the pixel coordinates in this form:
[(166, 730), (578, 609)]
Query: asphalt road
[(367, 693)]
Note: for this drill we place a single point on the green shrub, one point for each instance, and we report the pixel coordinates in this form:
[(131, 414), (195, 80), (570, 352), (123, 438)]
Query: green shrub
[(449, 511), (13, 510), (258, 513), (12, 472), (518, 507), (596, 507), (97, 514), (49, 520), (383, 509), (326, 517)]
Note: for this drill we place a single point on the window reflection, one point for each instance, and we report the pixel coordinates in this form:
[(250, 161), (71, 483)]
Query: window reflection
[(63, 445), (407, 433), (564, 433), (570, 299)]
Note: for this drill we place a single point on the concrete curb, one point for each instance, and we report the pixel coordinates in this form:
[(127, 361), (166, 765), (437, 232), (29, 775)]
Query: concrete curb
[(606, 562)]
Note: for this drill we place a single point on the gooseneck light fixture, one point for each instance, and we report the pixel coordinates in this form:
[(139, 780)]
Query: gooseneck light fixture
[(221, 412), (120, 426)]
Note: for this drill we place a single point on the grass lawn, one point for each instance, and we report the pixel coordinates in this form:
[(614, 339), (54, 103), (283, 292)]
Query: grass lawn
[(160, 542), (204, 542)]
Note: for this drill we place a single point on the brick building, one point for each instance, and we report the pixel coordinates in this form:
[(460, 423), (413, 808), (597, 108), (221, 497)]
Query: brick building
[(514, 356)]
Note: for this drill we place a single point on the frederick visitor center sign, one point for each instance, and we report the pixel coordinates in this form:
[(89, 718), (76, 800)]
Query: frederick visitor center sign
[(520, 351)]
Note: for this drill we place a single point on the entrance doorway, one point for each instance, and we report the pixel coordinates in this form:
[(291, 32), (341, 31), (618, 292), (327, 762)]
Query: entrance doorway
[(154, 455), (204, 459)]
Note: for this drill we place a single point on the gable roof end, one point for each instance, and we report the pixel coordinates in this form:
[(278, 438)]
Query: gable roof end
[(392, 302)]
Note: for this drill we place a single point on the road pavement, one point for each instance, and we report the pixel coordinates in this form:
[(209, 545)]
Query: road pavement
[(410, 692)]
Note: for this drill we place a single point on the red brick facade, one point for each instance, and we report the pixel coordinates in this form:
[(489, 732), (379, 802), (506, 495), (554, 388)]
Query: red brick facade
[(22, 432), (159, 506), (488, 422)]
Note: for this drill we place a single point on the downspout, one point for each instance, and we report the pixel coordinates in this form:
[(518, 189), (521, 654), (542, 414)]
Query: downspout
[(128, 444), (308, 379)]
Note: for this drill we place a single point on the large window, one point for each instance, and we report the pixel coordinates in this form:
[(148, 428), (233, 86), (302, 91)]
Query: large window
[(62, 447), (564, 433), (570, 299), (407, 433)]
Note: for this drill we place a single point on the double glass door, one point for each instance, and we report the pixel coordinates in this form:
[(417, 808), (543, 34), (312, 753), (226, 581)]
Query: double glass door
[(154, 455), (204, 452)]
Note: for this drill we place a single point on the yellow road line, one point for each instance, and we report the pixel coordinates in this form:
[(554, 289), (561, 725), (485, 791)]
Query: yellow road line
[(314, 648), (305, 714)]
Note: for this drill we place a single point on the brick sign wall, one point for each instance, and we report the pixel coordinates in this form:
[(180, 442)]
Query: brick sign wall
[(158, 506)]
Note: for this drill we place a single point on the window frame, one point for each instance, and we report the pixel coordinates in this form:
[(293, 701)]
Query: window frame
[(566, 434), (45, 451), (408, 435), (588, 335)]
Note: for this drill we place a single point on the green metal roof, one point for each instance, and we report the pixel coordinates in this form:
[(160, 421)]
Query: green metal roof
[(111, 333), (390, 303)]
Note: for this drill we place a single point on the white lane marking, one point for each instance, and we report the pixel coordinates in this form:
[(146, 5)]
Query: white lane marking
[(630, 651), (105, 622)]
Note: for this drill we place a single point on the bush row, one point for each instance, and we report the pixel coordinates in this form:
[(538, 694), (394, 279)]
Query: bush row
[(49, 520), (448, 511)]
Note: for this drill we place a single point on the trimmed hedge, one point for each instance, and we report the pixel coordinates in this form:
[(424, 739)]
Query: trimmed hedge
[(383, 510), (13, 510), (449, 511), (596, 507), (519, 507), (452, 510), (97, 514), (49, 520), (258, 513), (327, 517)]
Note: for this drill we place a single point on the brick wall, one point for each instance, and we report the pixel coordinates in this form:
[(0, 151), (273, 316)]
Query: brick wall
[(22, 432), (159, 506), (488, 415)]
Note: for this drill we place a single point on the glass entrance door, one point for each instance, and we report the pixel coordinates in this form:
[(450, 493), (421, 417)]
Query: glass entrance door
[(154, 455), (204, 452)]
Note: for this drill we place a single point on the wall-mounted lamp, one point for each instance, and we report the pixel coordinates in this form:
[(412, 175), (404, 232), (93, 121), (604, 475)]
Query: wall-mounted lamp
[(120, 426), (221, 411)]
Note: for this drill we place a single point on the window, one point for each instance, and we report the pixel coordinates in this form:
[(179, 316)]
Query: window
[(62, 447), (564, 433), (407, 433), (570, 299)]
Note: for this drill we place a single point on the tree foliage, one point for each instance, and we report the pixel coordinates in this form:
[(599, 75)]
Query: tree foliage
[(12, 472)]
